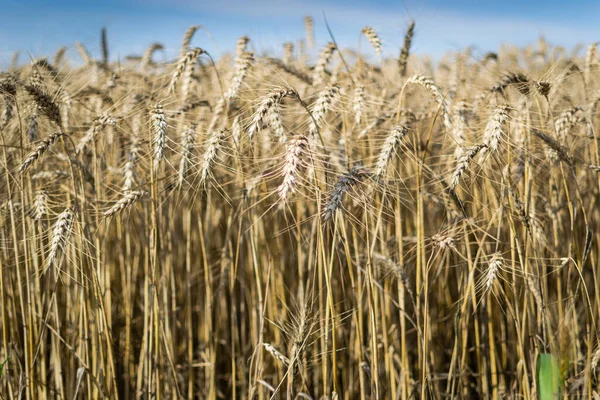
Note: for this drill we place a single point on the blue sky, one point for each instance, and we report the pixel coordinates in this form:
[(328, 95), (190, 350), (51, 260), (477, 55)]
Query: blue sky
[(40, 27)]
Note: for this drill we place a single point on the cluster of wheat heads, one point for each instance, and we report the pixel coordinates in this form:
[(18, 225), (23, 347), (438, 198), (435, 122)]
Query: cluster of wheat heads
[(329, 224)]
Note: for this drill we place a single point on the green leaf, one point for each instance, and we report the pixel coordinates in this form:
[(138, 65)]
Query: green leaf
[(548, 377)]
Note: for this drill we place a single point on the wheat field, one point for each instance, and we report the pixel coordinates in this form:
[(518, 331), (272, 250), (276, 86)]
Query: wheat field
[(317, 223)]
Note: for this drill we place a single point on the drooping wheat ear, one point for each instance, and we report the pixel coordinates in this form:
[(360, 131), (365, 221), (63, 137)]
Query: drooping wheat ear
[(185, 62), (274, 122), (97, 124), (358, 104), (243, 64), (39, 151), (428, 84), (296, 152), (187, 144), (210, 154), (310, 36), (560, 150), (217, 114), (567, 120), (124, 202), (45, 103), (129, 169), (187, 39), (461, 122), (288, 53), (519, 80), (60, 237), (393, 140), (345, 182), (241, 46), (59, 56), (159, 139), (276, 354), (104, 46), (267, 102), (84, 54), (405, 52), (40, 205), (463, 163), (320, 67), (373, 38), (325, 101), (146, 60), (495, 265), (493, 129), (543, 87), (591, 60)]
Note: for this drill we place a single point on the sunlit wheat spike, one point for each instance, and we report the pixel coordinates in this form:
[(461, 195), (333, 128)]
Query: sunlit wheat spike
[(388, 149), (567, 120), (210, 154), (61, 234), (267, 102), (243, 64), (187, 39), (129, 169), (324, 103), (428, 83), (276, 354), (159, 128), (373, 38), (494, 266), (40, 205), (493, 130), (124, 202), (463, 163), (295, 155), (97, 124), (274, 122), (321, 67), (39, 151), (184, 63), (358, 103)]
